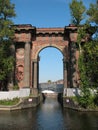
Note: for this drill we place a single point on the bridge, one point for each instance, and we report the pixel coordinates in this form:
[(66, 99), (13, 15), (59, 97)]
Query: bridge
[(49, 93)]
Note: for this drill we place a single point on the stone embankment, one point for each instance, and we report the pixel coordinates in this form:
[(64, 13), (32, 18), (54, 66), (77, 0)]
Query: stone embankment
[(23, 103), (70, 104)]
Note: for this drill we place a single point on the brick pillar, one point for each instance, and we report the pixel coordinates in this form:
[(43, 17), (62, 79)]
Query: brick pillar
[(65, 76), (12, 74), (27, 65), (73, 63)]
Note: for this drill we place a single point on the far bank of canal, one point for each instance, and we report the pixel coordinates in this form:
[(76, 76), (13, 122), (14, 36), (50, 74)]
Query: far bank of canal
[(48, 116)]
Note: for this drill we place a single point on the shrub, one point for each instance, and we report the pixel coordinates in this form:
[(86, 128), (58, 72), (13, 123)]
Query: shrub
[(15, 87), (96, 99), (85, 100), (9, 102)]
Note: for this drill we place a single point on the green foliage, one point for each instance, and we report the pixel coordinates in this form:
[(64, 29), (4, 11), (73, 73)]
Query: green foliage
[(15, 87), (49, 81), (91, 52), (9, 102), (77, 11), (6, 13), (85, 100), (88, 59), (96, 98), (92, 12), (6, 39), (81, 36), (88, 67)]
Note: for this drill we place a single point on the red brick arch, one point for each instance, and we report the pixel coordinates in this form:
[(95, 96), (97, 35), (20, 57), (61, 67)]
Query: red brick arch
[(29, 41), (44, 47), (39, 49)]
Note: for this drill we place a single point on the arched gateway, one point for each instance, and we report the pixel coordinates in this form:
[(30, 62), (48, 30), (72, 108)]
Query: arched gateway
[(29, 41)]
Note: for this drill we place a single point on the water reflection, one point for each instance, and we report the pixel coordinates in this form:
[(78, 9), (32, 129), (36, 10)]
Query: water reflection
[(48, 116), (18, 120), (80, 120)]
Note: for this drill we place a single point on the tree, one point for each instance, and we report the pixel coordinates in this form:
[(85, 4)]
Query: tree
[(91, 51), (91, 48), (88, 59), (77, 11), (6, 39), (88, 51), (49, 81), (88, 67), (92, 12)]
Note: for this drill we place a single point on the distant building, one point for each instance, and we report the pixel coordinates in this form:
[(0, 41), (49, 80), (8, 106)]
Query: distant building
[(59, 81)]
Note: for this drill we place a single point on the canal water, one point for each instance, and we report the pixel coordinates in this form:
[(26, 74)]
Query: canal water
[(48, 116)]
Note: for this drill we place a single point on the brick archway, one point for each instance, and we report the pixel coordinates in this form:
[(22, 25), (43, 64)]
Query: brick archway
[(29, 41)]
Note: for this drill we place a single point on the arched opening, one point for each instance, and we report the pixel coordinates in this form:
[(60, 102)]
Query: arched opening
[(51, 70)]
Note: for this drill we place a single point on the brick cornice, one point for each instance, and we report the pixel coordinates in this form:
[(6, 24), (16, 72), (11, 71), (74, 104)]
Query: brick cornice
[(25, 27), (50, 31)]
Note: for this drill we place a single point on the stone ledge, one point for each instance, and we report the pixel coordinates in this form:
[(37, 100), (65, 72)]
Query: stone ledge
[(24, 103), (70, 104), (81, 109)]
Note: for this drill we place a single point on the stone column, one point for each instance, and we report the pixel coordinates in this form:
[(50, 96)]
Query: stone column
[(35, 77), (38, 71), (27, 65), (65, 76), (35, 74)]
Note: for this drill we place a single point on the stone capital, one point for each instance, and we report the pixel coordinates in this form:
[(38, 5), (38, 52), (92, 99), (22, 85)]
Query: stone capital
[(35, 60)]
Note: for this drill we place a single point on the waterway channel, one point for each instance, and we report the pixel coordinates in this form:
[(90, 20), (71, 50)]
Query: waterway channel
[(48, 116)]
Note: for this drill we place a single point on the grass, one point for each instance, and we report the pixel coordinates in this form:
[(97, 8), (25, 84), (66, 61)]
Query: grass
[(8, 102)]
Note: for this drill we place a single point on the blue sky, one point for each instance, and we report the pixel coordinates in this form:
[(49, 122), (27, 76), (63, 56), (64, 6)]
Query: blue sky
[(42, 13), (50, 65), (46, 13)]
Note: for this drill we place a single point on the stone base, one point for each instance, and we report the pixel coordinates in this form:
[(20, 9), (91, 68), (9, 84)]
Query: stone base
[(34, 91)]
